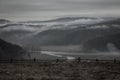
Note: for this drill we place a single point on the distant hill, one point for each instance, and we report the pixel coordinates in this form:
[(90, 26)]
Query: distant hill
[(101, 43), (67, 31), (64, 19), (10, 51), (3, 21)]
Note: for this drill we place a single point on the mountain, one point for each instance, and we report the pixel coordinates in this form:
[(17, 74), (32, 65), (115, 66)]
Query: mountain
[(68, 31), (10, 51), (3, 21), (101, 43), (64, 19)]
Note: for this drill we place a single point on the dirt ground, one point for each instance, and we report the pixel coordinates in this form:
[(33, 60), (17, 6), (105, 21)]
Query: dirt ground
[(68, 70)]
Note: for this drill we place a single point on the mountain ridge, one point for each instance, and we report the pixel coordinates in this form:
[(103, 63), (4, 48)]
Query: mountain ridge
[(10, 51), (60, 32)]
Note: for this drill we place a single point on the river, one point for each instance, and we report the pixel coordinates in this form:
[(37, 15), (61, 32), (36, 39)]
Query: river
[(72, 55)]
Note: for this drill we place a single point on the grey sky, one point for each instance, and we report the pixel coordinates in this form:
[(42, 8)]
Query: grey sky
[(47, 9)]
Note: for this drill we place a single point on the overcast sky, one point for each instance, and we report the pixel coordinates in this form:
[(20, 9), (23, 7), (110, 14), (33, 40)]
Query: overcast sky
[(47, 9)]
